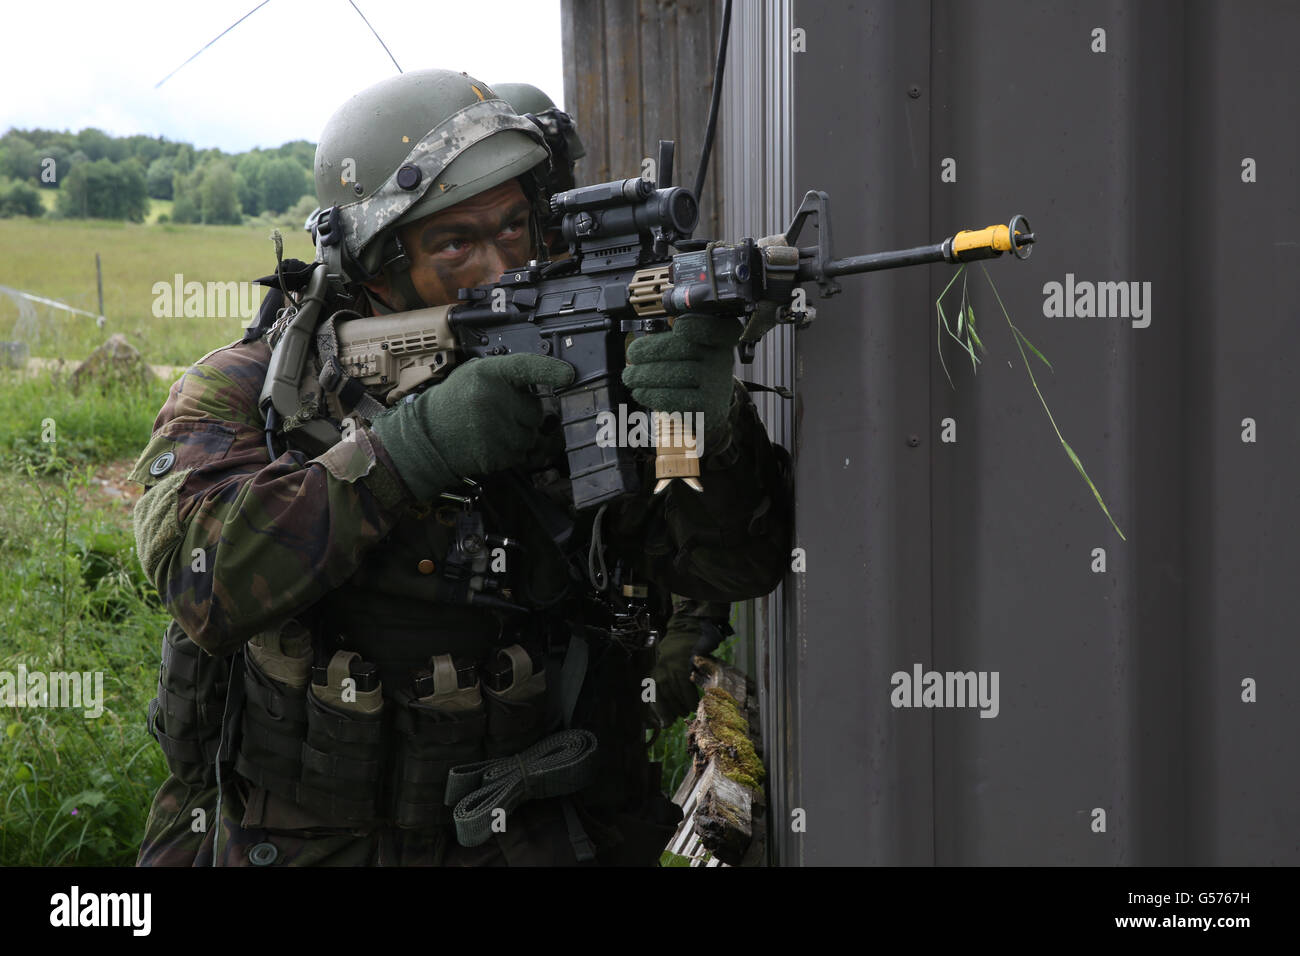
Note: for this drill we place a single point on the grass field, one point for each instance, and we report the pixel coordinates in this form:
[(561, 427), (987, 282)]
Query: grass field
[(73, 597), (73, 788), (56, 259), (72, 594), (158, 207)]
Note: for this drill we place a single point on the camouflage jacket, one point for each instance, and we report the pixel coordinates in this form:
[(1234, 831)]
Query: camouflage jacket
[(237, 543)]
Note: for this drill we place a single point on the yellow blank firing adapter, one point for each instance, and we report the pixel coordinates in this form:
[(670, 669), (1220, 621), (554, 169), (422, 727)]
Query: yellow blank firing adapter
[(971, 244)]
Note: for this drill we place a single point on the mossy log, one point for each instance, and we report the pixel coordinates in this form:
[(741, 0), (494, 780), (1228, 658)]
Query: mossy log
[(727, 798)]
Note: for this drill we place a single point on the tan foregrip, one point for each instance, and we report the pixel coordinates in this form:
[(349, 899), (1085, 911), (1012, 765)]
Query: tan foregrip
[(677, 454)]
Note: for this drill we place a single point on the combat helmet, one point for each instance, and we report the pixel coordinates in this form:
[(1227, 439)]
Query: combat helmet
[(408, 147), (557, 126)]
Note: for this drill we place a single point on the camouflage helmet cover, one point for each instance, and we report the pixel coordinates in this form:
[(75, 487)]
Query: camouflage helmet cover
[(526, 98), (415, 144)]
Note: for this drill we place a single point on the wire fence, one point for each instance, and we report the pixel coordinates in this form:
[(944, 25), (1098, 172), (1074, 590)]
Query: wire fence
[(37, 321)]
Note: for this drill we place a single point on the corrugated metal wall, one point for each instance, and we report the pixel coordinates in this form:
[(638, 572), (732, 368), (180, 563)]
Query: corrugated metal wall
[(757, 143), (1119, 690)]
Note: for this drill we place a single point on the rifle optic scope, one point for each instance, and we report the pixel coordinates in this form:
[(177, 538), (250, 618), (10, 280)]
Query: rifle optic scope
[(626, 208)]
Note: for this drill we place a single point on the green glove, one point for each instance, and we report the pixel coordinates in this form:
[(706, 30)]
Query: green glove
[(481, 420), (689, 633), (687, 370)]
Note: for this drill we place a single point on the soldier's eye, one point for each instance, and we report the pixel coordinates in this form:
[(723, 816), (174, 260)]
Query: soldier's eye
[(513, 230)]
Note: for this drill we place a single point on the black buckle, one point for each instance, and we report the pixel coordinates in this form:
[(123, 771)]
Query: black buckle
[(399, 260), (328, 232)]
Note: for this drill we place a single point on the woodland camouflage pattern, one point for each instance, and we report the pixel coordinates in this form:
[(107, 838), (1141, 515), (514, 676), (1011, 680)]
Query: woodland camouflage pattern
[(271, 537), (236, 544)]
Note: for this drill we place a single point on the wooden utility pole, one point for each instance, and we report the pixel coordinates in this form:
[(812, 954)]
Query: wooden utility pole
[(99, 285)]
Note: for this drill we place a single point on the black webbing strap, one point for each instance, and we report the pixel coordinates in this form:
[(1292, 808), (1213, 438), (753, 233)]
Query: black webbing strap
[(774, 389), (229, 725)]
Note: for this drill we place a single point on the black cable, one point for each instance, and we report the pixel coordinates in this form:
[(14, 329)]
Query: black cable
[(214, 40), (717, 97), (259, 7), (272, 422), (380, 39)]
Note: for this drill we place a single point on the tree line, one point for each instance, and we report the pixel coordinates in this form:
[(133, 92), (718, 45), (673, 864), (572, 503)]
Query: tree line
[(98, 176)]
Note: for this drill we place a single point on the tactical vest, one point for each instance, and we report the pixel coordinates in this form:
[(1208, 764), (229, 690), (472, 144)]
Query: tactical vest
[(467, 634)]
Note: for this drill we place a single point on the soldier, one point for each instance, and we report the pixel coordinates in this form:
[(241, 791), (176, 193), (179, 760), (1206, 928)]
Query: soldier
[(345, 682)]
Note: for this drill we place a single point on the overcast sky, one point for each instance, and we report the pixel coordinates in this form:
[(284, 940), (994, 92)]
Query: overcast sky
[(276, 77)]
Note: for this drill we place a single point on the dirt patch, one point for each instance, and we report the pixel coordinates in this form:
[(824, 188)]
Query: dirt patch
[(110, 493), (168, 373)]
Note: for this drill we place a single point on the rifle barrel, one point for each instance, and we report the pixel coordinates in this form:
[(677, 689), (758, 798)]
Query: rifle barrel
[(875, 261), (872, 262), (966, 246)]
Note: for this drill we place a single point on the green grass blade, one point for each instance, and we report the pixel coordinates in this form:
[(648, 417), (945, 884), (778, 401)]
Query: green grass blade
[(942, 318), (955, 339), (955, 276), (971, 353), (963, 305), (1079, 465), (939, 339), (964, 345), (1031, 347), (1069, 451), (967, 311), (970, 329)]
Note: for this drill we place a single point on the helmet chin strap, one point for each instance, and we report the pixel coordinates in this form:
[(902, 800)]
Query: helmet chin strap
[(397, 270), (538, 238), (399, 280), (535, 194)]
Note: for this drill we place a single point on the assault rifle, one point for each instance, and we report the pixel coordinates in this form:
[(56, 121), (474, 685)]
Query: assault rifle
[(621, 277), (632, 267)]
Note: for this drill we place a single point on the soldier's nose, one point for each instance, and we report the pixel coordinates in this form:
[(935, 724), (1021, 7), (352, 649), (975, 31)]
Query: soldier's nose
[(495, 263), (488, 264)]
